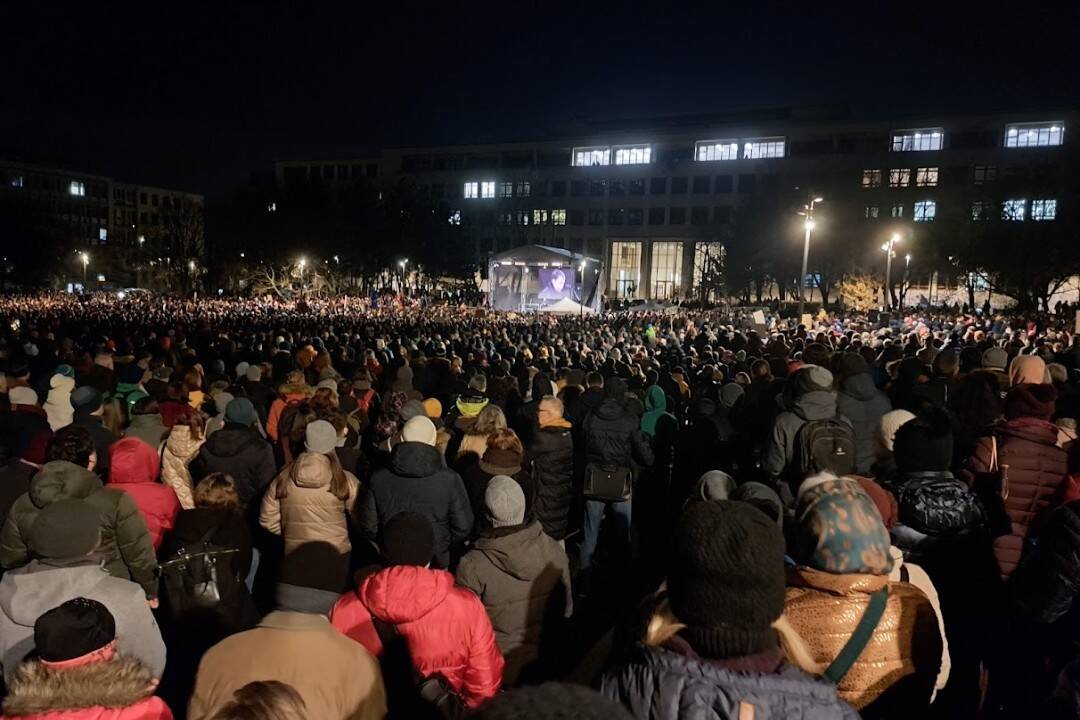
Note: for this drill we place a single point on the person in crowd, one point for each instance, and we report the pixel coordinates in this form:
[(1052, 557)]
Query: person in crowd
[(296, 645), (239, 451), (523, 578), (551, 455), (129, 389), (862, 404), (843, 553), (473, 441), (417, 481), (25, 421), (181, 447), (146, 423), (291, 393), (89, 406), (15, 475), (808, 396), (504, 456), (76, 671), (264, 700), (1028, 370), (716, 644), (175, 405), (884, 463), (433, 411), (63, 540), (126, 549), (256, 391), (444, 627), (221, 400), (994, 362), (134, 470), (57, 404)]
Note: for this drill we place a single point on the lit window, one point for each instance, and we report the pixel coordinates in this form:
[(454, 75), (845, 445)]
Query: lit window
[(455, 216), (899, 177), (540, 217), (709, 150), (708, 265), (102, 235), (871, 178), (763, 148), (17, 181), (1043, 209), (589, 156), (917, 140), (506, 189), (506, 218), (472, 190), (979, 210), (926, 177), (271, 207), (487, 189), (524, 188), (1034, 134), (77, 188), (1013, 210), (633, 155), (625, 268), (558, 217), (523, 217), (925, 210), (897, 210), (666, 269), (871, 212)]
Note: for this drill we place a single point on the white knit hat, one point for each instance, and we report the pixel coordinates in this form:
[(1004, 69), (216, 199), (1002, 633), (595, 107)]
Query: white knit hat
[(419, 429)]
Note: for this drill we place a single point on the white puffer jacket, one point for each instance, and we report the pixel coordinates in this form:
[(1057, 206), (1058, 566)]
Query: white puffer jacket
[(58, 404), (180, 450)]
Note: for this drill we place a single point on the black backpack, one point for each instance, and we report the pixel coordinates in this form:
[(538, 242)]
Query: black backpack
[(823, 445), (200, 577), (409, 695)]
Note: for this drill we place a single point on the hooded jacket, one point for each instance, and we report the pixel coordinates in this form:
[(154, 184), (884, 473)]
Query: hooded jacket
[(134, 470), (655, 408), (242, 453), (612, 436), (780, 450), (180, 450), (310, 512), (30, 591), (1045, 586), (862, 404), (58, 403), (125, 544), (552, 456), (148, 428), (445, 627), (523, 578), (417, 481)]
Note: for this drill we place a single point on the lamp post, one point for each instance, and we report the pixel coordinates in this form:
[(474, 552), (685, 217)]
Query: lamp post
[(403, 263), (903, 292), (581, 296), (888, 248), (809, 226), (85, 261)]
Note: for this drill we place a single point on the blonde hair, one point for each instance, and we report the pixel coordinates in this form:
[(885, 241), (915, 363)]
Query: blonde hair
[(490, 420), (216, 490), (264, 700)]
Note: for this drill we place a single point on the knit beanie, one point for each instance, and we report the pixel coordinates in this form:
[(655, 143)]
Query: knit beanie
[(241, 412), (329, 384), (883, 500), (73, 630), (816, 354), (713, 485), (22, 396), (222, 400), (504, 501), (411, 409), (86, 398), (838, 530), (849, 364), (408, 539), (730, 394), (1034, 401), (241, 369), (253, 374), (812, 378), (1058, 372), (924, 444), (433, 408), (763, 497), (726, 578), (65, 529), (1028, 369), (419, 429), (890, 423), (995, 358), (130, 374), (320, 437)]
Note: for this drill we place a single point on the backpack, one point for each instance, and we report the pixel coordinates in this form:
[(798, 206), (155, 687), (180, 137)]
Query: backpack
[(199, 577), (409, 695), (824, 445)]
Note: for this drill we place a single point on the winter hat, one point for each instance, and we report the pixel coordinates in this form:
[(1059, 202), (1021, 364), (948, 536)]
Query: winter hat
[(22, 396), (419, 429), (995, 359), (726, 578), (86, 398), (241, 412), (730, 394), (890, 423), (328, 383), (1058, 372), (241, 369), (433, 408), (763, 497), (130, 374), (839, 530), (222, 400), (1028, 369), (713, 486), (615, 388), (67, 528), (253, 373), (552, 701), (1035, 401), (924, 444), (850, 364), (411, 409), (65, 370), (812, 378), (883, 500), (320, 437), (311, 578), (73, 630), (504, 501), (816, 354), (408, 539)]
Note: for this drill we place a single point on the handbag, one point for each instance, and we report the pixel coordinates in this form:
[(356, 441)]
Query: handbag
[(410, 694), (608, 484), (193, 580), (992, 489)]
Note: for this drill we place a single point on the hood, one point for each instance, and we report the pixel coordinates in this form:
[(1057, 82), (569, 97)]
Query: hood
[(592, 398), (29, 592), (610, 409), (62, 383), (312, 470), (152, 422), (514, 553), (403, 381), (1033, 429), (404, 593), (59, 480), (541, 386), (180, 442), (815, 405), (470, 407), (861, 387), (230, 441), (40, 691), (132, 461), (656, 399), (415, 459)]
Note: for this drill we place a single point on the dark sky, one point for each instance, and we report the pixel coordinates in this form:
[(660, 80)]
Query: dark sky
[(196, 95)]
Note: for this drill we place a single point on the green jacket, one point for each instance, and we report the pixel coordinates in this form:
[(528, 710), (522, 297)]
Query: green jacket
[(125, 548)]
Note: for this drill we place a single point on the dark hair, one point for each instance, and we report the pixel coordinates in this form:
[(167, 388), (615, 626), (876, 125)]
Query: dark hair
[(216, 490), (72, 443), (145, 406), (594, 379)]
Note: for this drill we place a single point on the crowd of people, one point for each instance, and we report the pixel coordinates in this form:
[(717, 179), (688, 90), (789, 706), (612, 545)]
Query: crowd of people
[(222, 509)]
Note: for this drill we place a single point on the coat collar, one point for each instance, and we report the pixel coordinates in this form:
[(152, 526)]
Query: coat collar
[(288, 620), (834, 584)]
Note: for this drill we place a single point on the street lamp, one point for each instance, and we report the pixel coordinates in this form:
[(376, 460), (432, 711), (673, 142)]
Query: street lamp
[(809, 226), (85, 261), (403, 263), (888, 248)]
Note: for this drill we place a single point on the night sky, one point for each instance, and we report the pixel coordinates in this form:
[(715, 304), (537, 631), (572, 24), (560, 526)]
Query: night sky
[(196, 96)]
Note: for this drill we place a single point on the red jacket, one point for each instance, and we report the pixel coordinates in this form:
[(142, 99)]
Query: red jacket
[(134, 469), (445, 627)]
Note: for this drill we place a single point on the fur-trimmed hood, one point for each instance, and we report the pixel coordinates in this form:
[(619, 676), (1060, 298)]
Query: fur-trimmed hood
[(37, 689)]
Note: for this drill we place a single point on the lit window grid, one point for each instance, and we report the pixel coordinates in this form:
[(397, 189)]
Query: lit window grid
[(899, 177), (1043, 210), (706, 255), (714, 150), (919, 140), (589, 156), (540, 217), (487, 189), (763, 148), (926, 177), (77, 188), (558, 217), (625, 266), (524, 188), (978, 210), (1034, 135), (925, 211), (897, 210), (471, 190), (633, 155), (871, 212), (666, 268), (1013, 210), (871, 178), (506, 189)]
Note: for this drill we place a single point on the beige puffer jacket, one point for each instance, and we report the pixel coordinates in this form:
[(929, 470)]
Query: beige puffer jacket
[(309, 512), (180, 450)]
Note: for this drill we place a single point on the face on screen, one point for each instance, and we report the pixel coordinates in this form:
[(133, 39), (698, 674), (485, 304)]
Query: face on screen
[(558, 281)]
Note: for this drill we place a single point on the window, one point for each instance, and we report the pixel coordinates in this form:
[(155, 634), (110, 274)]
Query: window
[(18, 181), (763, 148), (523, 217), (679, 185), (871, 212), (984, 174), (633, 155), (657, 186), (1013, 210), (708, 262), (656, 215), (897, 210), (618, 188), (677, 216), (142, 198), (666, 268), (699, 216), (271, 207), (596, 216), (625, 268), (1021, 135), (722, 214), (590, 156), (540, 217), (616, 216), (1043, 209), (925, 210), (917, 140), (710, 150), (524, 188), (77, 188), (577, 188), (558, 188), (899, 177), (577, 217), (980, 210), (747, 184), (455, 217), (506, 218), (871, 178), (634, 216), (558, 217), (506, 189), (637, 187), (102, 235), (702, 184), (724, 183), (487, 189), (472, 190), (926, 177), (597, 187)]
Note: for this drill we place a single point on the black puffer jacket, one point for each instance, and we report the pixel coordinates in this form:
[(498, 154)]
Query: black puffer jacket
[(552, 456), (242, 453), (1046, 584), (612, 435)]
